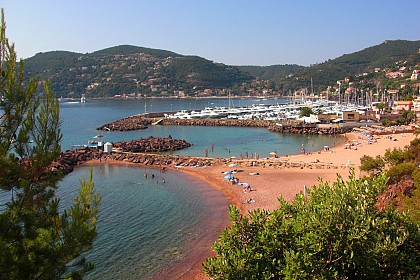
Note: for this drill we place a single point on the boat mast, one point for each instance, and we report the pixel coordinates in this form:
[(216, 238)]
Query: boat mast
[(312, 87)]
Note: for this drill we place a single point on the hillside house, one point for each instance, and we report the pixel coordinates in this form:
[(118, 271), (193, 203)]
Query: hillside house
[(394, 74), (415, 75), (400, 106)]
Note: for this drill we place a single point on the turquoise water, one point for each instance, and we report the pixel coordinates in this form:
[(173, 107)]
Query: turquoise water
[(80, 121), (144, 225)]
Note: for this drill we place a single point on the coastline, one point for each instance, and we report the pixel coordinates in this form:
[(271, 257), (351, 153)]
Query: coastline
[(274, 181)]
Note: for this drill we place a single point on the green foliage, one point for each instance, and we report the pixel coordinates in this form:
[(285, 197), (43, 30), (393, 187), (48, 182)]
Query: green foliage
[(407, 117), (130, 70), (305, 112), (396, 172), (36, 240), (370, 164), (204, 73), (336, 233), (127, 49), (411, 202), (151, 72), (397, 156), (273, 72)]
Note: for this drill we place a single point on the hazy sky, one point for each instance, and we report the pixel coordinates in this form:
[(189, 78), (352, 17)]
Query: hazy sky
[(234, 32)]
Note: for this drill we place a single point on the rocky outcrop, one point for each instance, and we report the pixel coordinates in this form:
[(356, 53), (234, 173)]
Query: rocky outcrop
[(152, 145), (67, 160), (127, 124), (392, 195)]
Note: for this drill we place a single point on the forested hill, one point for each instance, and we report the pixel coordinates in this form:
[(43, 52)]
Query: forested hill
[(384, 55), (141, 71), (273, 72), (127, 50), (131, 70)]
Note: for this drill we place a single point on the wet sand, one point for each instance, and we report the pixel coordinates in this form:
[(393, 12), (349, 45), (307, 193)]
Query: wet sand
[(272, 182)]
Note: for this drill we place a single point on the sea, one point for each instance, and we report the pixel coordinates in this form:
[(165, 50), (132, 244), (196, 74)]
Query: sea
[(151, 221)]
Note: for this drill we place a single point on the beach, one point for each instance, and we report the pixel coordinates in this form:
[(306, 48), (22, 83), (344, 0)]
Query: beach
[(272, 181), (269, 180)]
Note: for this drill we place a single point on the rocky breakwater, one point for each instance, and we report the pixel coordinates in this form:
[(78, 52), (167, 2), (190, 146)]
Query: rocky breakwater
[(152, 145), (140, 122), (311, 129), (67, 160), (294, 127), (137, 122), (216, 122)]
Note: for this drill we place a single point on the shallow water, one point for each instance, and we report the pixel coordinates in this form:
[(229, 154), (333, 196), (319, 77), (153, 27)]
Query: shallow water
[(143, 223)]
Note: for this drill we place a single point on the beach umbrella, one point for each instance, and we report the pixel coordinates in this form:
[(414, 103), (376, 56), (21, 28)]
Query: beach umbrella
[(273, 153), (232, 165), (228, 172), (228, 177)]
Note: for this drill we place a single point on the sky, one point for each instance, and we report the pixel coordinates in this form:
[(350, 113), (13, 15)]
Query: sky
[(233, 32)]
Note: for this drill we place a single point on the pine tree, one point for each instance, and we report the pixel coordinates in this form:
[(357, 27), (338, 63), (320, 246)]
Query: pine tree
[(37, 240)]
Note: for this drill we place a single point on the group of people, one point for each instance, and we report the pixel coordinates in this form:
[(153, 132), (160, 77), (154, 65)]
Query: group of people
[(153, 176)]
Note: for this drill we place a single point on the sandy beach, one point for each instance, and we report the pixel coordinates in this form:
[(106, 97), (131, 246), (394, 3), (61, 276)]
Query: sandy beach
[(273, 181)]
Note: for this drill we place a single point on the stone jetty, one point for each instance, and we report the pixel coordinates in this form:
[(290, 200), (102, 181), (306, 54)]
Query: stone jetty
[(67, 160), (71, 158), (299, 128), (152, 145), (126, 124), (296, 127)]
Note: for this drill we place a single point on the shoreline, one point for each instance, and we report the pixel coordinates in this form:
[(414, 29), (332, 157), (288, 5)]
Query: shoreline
[(274, 181)]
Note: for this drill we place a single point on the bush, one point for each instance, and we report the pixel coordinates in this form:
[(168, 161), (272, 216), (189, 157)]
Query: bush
[(396, 172), (370, 164), (337, 233)]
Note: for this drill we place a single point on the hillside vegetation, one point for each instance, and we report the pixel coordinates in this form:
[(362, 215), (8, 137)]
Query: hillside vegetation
[(139, 72), (132, 71), (385, 55)]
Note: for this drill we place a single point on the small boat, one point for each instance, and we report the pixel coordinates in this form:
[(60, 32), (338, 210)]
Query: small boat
[(117, 150)]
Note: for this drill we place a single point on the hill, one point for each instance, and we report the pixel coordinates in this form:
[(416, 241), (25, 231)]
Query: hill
[(131, 70), (139, 71), (328, 73), (273, 72)]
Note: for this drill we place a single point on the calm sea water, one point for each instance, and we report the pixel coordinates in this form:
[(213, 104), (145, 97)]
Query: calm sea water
[(81, 119), (144, 224)]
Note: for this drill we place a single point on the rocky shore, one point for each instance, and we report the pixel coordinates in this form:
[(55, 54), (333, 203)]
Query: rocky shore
[(67, 160), (71, 158), (140, 122)]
